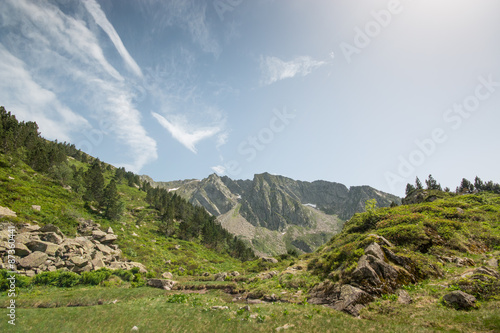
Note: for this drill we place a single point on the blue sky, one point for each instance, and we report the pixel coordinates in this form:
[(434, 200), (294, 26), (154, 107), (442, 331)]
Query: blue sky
[(361, 93)]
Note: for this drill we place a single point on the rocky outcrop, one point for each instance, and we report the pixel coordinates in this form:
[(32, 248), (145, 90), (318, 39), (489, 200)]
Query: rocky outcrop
[(40, 249), (460, 300), (379, 271)]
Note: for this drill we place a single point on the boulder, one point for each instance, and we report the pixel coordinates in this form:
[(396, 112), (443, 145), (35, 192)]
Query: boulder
[(352, 300), (460, 300), (29, 228), (220, 276), (36, 207), (234, 273), (4, 211), (98, 263), (142, 268), (33, 260), (51, 228), (109, 238), (110, 231), (98, 234), (79, 261), (51, 237), (104, 249), (165, 284), (403, 297), (267, 275), (41, 246), (167, 275), (375, 250), (270, 260), (21, 250)]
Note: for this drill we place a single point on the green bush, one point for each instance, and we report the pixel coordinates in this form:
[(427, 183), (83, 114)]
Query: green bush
[(21, 280), (94, 278), (57, 279)]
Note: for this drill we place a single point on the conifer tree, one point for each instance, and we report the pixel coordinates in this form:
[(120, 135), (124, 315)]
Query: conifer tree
[(94, 183), (112, 204)]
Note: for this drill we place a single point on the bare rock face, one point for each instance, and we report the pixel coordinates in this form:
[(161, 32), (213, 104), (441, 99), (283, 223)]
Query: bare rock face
[(377, 274), (460, 300)]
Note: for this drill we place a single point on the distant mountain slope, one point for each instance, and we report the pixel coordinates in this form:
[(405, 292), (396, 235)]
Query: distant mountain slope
[(275, 213)]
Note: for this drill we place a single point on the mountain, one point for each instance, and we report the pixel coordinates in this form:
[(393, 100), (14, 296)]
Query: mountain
[(276, 214)]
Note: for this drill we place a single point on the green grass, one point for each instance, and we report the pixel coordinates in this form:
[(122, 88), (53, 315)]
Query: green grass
[(91, 309)]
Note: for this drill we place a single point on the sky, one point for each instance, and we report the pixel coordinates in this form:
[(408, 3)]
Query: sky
[(360, 93)]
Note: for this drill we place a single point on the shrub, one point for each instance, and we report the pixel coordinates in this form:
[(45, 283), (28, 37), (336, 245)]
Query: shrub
[(95, 277)]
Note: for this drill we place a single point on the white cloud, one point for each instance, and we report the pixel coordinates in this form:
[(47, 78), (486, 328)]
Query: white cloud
[(95, 10), (32, 102), (188, 137), (275, 69), (65, 59), (219, 169)]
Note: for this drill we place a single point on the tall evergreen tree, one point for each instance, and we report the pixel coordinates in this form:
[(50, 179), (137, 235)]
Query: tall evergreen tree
[(112, 204), (94, 183)]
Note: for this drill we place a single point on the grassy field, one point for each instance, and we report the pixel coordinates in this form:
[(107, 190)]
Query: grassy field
[(98, 309)]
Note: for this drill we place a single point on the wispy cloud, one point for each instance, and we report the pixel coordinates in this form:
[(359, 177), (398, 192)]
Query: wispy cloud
[(55, 120), (65, 58), (190, 15), (275, 69), (182, 132), (95, 10)]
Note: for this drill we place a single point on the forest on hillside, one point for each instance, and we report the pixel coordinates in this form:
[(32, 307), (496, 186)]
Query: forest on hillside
[(176, 217)]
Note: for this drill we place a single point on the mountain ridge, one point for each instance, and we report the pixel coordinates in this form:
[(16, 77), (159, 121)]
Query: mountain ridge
[(287, 214)]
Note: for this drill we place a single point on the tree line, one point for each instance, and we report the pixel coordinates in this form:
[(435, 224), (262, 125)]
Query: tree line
[(465, 187)]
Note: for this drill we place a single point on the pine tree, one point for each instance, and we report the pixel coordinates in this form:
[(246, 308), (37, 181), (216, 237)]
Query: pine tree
[(409, 188), (418, 184), (94, 183), (112, 204)]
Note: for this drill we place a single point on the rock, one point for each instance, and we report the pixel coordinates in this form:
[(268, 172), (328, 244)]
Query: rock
[(98, 234), (51, 237), (36, 207), (352, 300), (460, 300), (98, 263), (220, 276), (219, 307), (110, 231), (135, 328), (270, 260), (33, 260), (21, 250), (51, 228), (167, 275), (109, 238), (492, 262), (205, 274), (234, 273), (382, 239), (29, 228), (6, 212), (486, 271), (182, 269), (177, 247), (403, 297), (134, 234), (161, 283), (284, 327), (142, 268), (245, 308), (104, 249), (30, 273), (375, 250), (41, 246), (79, 261)]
